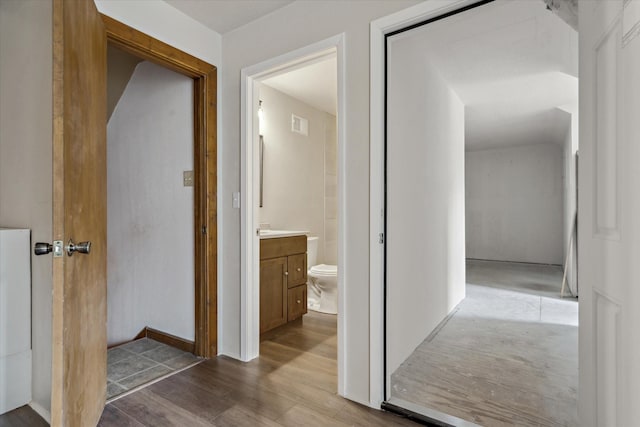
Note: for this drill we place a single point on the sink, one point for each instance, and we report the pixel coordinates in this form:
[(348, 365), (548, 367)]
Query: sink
[(271, 234)]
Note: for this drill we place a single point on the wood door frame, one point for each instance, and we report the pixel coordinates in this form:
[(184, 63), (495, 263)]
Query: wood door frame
[(204, 77)]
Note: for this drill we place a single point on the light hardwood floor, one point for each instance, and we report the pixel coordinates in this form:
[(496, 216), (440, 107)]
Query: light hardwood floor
[(508, 355), (293, 383)]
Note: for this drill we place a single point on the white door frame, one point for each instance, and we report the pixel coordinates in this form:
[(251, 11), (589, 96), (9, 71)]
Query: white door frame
[(379, 29), (250, 247)]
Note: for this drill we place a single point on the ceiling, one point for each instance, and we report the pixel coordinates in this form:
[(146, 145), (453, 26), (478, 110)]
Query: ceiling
[(315, 84), (223, 16), (512, 63)]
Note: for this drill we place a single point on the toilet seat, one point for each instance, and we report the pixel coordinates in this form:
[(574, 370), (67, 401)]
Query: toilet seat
[(324, 270)]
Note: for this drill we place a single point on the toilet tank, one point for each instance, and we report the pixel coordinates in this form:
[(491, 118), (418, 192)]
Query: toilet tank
[(312, 251)]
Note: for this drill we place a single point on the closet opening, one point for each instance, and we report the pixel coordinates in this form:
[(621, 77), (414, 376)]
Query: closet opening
[(480, 216)]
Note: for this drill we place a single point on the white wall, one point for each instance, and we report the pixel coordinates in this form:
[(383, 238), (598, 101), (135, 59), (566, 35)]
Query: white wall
[(25, 157), (294, 166), (425, 200), (515, 204), (150, 216), (294, 26)]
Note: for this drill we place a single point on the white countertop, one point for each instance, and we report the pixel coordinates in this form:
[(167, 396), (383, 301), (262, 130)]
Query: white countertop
[(272, 234)]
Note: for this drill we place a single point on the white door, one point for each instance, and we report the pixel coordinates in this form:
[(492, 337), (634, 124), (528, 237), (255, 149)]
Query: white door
[(609, 210)]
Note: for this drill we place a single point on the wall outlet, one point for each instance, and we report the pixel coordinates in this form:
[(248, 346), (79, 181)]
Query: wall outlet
[(187, 178)]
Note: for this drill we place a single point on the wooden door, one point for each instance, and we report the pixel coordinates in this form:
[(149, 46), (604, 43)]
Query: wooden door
[(609, 213), (79, 213)]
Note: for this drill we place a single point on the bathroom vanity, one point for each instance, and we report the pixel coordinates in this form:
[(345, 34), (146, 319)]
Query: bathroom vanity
[(283, 280)]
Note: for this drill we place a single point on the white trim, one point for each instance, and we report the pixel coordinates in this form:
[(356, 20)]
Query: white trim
[(376, 217), (40, 410), (379, 28), (249, 252), (248, 351), (342, 211)]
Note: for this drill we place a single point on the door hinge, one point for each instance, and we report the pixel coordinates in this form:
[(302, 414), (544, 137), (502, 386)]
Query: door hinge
[(381, 238), (204, 229)]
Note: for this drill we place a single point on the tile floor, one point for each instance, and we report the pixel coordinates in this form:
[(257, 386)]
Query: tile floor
[(507, 355), (138, 362)]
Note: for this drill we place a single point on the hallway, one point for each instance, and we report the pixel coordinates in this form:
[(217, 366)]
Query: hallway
[(292, 383), (508, 354)]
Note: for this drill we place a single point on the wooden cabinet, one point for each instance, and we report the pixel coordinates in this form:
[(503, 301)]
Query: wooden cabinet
[(296, 302), (297, 268), (273, 293), (283, 280)]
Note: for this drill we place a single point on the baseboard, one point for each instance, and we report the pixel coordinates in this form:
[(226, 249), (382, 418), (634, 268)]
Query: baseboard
[(168, 339), (514, 262), (41, 411)]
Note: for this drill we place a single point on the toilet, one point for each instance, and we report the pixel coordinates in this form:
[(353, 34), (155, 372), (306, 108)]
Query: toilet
[(322, 282)]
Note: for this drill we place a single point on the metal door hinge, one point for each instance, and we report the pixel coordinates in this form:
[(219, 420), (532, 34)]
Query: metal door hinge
[(204, 229), (381, 238)]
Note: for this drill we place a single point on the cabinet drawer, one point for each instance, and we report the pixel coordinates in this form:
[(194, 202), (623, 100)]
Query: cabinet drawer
[(297, 268), (297, 304), (282, 246)]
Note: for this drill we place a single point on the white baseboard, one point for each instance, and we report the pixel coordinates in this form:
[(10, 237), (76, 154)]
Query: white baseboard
[(41, 411), (368, 404)]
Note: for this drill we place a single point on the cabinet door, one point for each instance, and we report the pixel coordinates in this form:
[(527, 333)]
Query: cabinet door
[(297, 270), (273, 293), (297, 302)]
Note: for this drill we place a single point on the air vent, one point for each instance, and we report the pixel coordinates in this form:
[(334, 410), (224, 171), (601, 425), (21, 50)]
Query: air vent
[(299, 125)]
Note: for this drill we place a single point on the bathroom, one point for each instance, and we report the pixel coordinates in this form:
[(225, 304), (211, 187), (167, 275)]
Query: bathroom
[(298, 181)]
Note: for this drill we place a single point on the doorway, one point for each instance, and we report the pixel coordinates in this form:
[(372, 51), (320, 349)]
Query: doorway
[(202, 176), (150, 290), (280, 122), (439, 130)]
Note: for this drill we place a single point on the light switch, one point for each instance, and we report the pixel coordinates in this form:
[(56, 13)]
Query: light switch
[(187, 178)]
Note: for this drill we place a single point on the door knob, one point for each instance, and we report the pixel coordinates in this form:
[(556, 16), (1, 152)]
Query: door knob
[(42, 248), (82, 247)]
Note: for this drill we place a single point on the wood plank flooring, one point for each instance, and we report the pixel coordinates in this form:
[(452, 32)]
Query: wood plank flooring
[(292, 383), (508, 356), (22, 417)]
